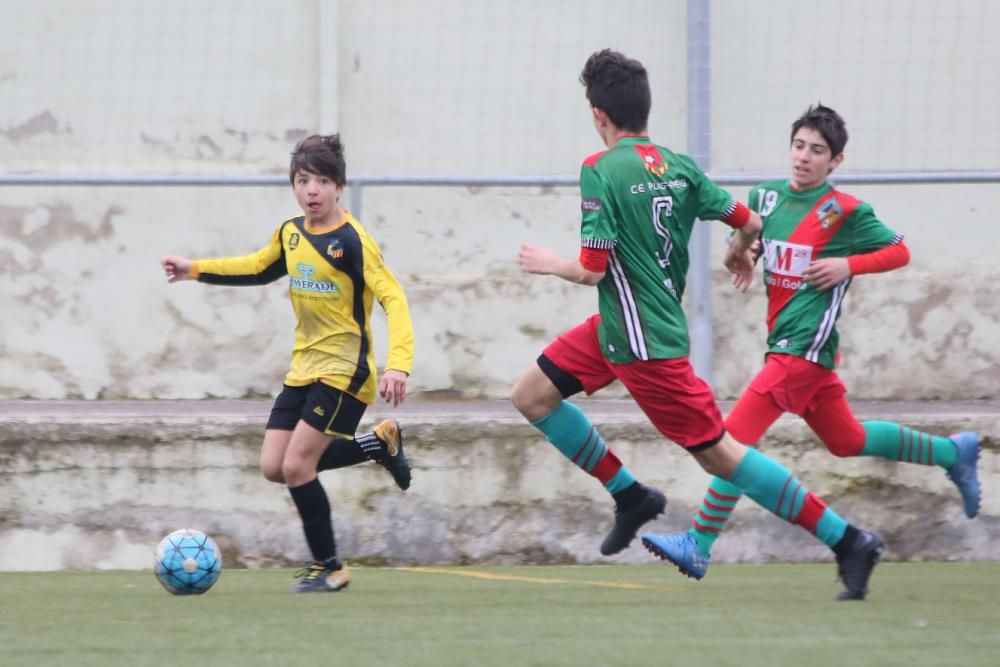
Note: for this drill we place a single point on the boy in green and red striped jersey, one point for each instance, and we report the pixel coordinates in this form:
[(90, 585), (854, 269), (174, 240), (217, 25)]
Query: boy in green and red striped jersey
[(639, 204), (814, 239)]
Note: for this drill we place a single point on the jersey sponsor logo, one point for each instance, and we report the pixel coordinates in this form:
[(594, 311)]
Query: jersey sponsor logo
[(829, 213), (304, 282), (784, 343), (652, 159), (787, 259), (784, 282), (293, 241), (590, 204), (785, 262)]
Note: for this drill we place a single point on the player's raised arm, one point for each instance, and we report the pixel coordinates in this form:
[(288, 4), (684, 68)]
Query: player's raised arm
[(259, 268), (544, 261)]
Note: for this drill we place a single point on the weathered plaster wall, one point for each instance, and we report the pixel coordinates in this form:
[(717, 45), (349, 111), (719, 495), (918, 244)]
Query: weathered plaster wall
[(85, 485), (456, 88), (87, 313)]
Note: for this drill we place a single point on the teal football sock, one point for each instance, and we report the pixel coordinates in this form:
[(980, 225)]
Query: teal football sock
[(773, 487), (901, 443), (572, 433)]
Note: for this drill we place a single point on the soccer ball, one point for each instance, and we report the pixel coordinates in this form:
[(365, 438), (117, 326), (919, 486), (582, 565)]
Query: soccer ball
[(187, 562)]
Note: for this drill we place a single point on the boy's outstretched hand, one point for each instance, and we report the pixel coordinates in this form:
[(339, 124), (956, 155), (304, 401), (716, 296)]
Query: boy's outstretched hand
[(176, 267), (535, 259)]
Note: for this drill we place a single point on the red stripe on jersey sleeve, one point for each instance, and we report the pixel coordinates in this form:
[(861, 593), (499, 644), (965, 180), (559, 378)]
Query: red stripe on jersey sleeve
[(884, 259), (739, 216), (592, 160), (594, 259)]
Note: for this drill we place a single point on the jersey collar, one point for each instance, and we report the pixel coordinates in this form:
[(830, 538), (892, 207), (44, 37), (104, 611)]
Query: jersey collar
[(810, 191), (633, 139)]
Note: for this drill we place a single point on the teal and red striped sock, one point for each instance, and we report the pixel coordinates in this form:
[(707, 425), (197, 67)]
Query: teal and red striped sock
[(574, 435), (901, 443), (719, 502), (773, 487)]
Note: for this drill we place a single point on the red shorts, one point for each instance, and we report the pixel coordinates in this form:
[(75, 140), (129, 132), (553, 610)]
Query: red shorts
[(678, 403), (796, 385)]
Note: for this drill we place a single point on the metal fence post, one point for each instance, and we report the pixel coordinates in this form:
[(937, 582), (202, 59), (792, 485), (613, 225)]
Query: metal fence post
[(699, 94), (355, 188)]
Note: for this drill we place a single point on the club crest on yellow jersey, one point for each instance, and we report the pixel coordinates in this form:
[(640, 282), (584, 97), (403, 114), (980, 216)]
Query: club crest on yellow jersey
[(293, 241)]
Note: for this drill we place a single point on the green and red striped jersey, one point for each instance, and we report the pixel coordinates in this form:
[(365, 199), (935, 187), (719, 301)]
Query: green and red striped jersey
[(640, 202), (800, 227)]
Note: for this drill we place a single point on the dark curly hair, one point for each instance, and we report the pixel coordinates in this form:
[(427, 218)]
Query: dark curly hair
[(323, 155), (618, 86), (828, 123)]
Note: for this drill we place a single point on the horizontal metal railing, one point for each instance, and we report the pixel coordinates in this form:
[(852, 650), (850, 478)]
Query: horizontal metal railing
[(229, 180)]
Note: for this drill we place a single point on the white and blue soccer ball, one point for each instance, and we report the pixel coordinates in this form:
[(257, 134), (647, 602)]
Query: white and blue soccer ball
[(188, 562)]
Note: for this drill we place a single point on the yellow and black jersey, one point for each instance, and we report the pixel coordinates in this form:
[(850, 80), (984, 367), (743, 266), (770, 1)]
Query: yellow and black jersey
[(335, 273)]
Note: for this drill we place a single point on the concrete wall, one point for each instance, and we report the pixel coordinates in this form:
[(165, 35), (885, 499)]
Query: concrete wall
[(451, 88), (96, 485)]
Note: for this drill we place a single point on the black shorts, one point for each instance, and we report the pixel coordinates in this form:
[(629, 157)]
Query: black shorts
[(326, 409)]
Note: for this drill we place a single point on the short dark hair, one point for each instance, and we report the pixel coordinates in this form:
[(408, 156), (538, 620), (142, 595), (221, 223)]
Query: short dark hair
[(828, 123), (618, 86), (323, 155)]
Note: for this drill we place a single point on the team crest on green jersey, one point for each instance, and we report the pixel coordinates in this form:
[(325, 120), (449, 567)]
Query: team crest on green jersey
[(652, 159), (829, 213)]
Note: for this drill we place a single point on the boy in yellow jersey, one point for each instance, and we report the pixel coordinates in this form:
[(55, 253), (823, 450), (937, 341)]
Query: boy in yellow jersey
[(337, 272)]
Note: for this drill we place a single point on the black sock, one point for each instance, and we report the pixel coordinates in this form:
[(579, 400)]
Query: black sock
[(344, 452), (333, 563), (317, 522), (846, 543), (629, 497)]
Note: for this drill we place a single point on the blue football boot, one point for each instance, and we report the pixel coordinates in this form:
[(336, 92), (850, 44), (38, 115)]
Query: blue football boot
[(964, 474), (681, 550)]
